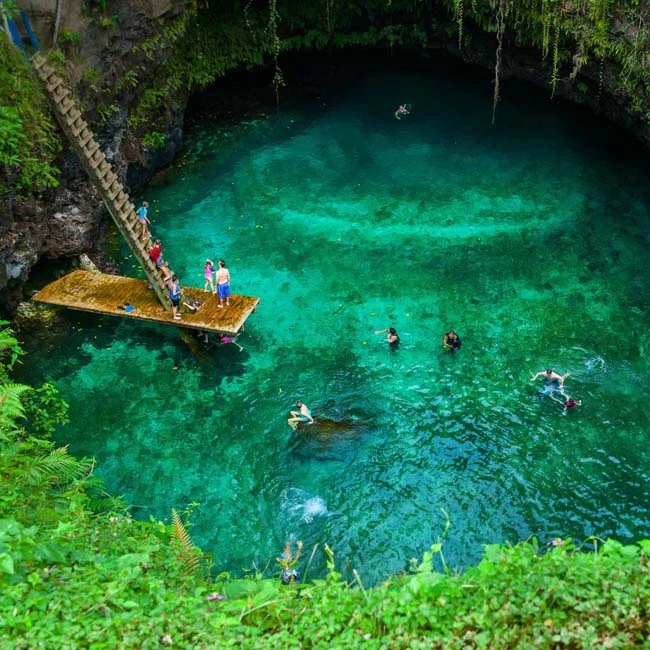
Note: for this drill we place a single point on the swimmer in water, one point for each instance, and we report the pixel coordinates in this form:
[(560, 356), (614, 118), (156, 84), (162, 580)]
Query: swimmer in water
[(571, 403), (552, 382), (392, 337), (302, 415), (401, 112), (451, 341)]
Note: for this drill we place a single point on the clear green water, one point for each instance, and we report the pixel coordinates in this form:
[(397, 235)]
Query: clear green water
[(530, 238)]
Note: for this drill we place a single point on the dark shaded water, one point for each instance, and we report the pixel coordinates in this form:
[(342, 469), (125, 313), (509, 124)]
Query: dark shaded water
[(530, 238)]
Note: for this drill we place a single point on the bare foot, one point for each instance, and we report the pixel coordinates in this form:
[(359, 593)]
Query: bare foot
[(220, 306)]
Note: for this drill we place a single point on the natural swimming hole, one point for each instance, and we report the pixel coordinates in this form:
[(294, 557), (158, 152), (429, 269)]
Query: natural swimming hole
[(529, 238)]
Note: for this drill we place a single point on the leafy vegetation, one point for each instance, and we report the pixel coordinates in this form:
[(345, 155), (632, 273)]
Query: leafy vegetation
[(77, 571), (28, 140)]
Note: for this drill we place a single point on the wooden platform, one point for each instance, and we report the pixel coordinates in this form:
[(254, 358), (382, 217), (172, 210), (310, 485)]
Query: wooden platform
[(103, 294)]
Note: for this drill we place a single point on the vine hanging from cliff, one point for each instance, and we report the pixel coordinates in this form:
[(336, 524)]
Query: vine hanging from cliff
[(458, 13), (274, 19), (501, 27)]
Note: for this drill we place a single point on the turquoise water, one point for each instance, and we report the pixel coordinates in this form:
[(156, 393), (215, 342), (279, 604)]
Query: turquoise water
[(529, 238)]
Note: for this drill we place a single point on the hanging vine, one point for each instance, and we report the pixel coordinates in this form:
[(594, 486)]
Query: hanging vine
[(278, 79), (547, 19), (601, 70), (501, 27), (327, 16), (458, 13), (556, 57)]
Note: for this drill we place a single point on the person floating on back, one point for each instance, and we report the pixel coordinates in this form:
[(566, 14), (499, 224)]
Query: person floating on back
[(392, 337), (223, 283), (303, 414), (402, 111), (451, 341)]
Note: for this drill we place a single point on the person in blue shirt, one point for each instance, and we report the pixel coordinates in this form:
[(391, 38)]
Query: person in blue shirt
[(175, 296), (143, 220)]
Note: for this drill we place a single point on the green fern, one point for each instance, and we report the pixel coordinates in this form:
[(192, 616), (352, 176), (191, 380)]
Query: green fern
[(57, 467), (11, 408), (8, 343), (190, 555)]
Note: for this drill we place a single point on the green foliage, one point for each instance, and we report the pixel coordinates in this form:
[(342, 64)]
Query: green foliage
[(154, 140), (70, 38), (11, 407), (74, 576), (106, 111), (10, 349), (190, 556), (108, 22), (28, 140)]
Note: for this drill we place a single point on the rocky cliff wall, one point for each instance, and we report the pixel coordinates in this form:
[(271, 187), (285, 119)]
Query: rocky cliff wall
[(106, 63), (99, 47)]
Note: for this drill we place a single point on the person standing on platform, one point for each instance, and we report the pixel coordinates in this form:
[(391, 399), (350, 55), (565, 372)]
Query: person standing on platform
[(175, 296), (143, 220), (208, 270), (223, 283)]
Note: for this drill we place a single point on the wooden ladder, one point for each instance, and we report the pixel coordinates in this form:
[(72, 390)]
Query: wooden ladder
[(120, 207)]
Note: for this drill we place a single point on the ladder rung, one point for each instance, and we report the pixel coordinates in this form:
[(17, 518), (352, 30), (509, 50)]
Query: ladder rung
[(91, 149), (109, 179), (64, 107), (95, 161), (72, 117), (52, 85), (60, 92), (111, 186), (77, 130), (85, 138), (121, 200)]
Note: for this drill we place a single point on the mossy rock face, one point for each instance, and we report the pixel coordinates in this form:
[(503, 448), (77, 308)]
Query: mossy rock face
[(35, 317)]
